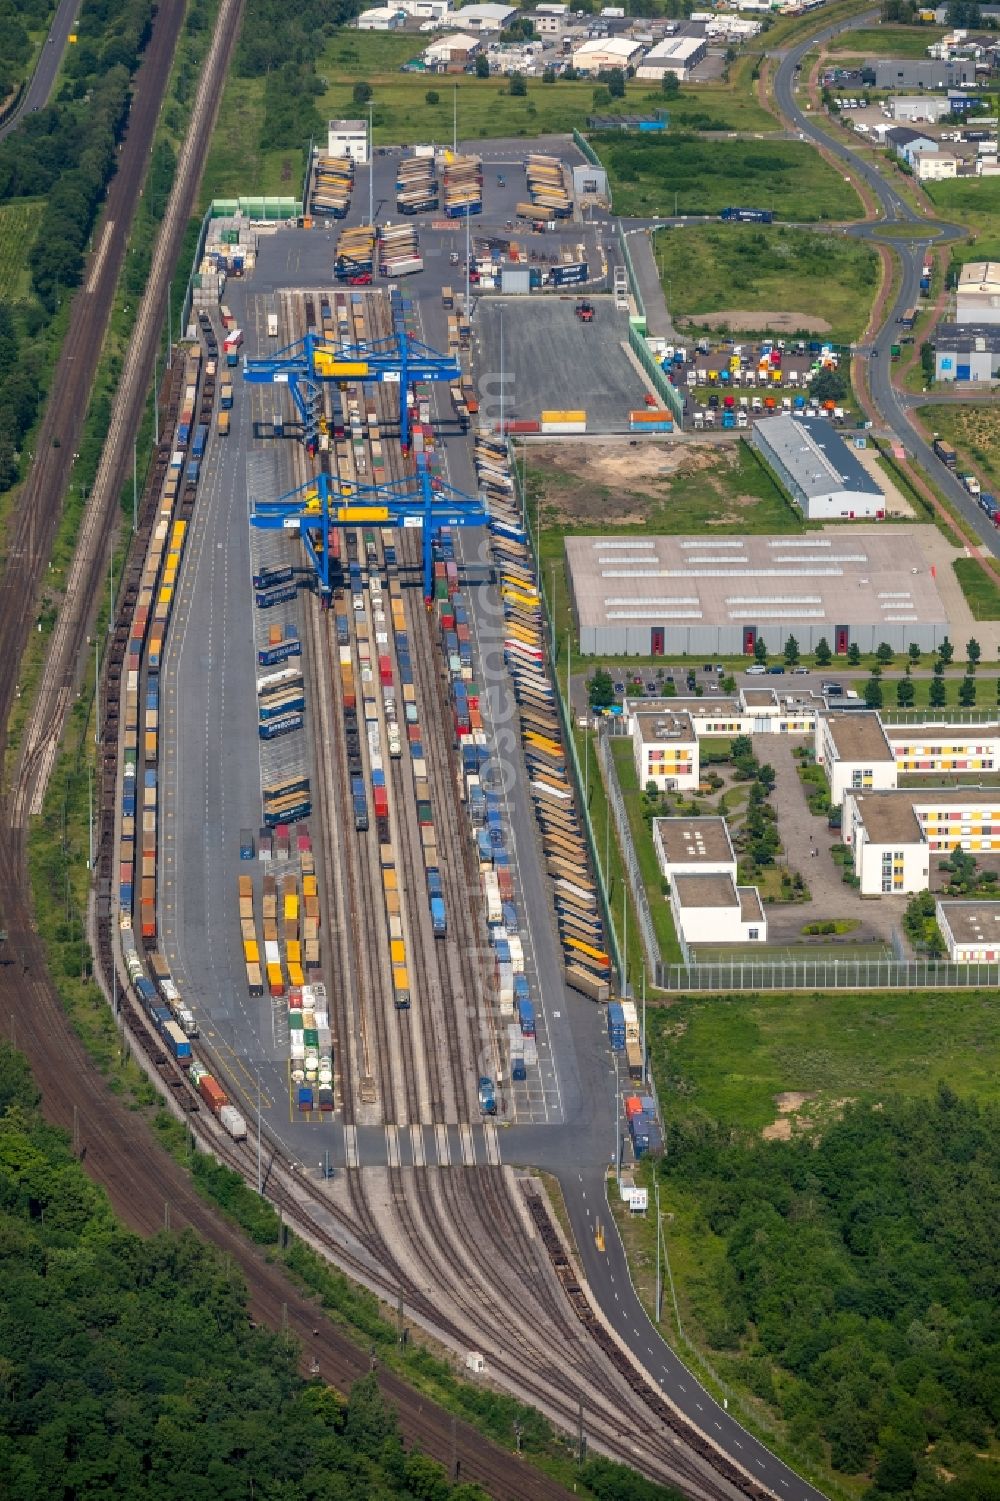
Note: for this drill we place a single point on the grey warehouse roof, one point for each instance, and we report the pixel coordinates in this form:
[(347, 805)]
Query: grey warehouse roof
[(815, 455), (873, 577), (958, 337)]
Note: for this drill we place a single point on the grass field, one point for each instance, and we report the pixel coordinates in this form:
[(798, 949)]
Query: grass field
[(974, 201), (788, 177), (760, 267), (236, 165), (973, 428), (19, 223), (986, 686), (981, 593), (729, 1057), (887, 41)]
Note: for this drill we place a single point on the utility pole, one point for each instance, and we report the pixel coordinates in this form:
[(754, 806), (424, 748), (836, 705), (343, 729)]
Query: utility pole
[(170, 328), (97, 690), (552, 609), (135, 486), (90, 817), (156, 400), (111, 617), (618, 1126), (644, 1022), (371, 164), (581, 1437)]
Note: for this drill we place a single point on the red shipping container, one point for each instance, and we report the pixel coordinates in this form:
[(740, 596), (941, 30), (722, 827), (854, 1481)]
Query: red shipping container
[(350, 701), (505, 883), (633, 1106), (212, 1093), (385, 671), (295, 998), (381, 800), (413, 732), (125, 871)]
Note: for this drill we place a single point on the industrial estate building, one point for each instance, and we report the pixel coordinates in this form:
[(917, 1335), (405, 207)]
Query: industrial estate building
[(823, 476), (599, 54), (706, 596), (677, 55), (978, 297), (923, 73), (966, 352), (348, 138)]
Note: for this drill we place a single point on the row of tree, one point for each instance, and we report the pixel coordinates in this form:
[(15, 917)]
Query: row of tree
[(860, 1285), (17, 18)]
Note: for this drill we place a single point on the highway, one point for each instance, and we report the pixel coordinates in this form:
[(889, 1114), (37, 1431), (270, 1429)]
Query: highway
[(891, 405), (36, 95)]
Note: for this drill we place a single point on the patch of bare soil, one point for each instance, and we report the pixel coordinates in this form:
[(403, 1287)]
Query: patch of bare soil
[(788, 1105), (743, 320), (603, 483)]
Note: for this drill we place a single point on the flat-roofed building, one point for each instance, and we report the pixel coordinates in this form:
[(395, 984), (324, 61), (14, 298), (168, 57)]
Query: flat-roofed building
[(949, 749), (970, 929), (602, 54), (676, 54), (978, 297), (855, 753), (710, 596), (348, 138), (666, 751), (935, 166), (967, 352), (823, 476), (892, 835), (694, 847), (712, 909)]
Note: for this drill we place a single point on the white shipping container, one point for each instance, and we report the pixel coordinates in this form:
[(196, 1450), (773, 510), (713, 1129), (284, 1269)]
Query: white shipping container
[(233, 1122), (516, 953), (296, 1045), (272, 954)]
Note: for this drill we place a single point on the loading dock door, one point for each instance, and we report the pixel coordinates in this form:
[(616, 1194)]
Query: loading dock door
[(843, 640), (657, 644), (749, 640)]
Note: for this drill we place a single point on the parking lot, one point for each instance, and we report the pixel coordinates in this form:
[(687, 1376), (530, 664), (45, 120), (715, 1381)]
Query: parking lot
[(553, 362)]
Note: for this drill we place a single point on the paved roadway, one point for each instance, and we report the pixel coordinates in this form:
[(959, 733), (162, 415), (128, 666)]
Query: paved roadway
[(36, 95), (893, 406)]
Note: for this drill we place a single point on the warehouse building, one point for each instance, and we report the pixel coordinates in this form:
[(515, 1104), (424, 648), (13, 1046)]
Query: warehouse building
[(452, 52), (601, 54), (934, 166), (381, 18), (677, 55), (348, 138), (906, 142), (484, 17), (910, 108), (717, 596), (966, 352), (922, 73), (822, 475), (978, 297), (971, 930)]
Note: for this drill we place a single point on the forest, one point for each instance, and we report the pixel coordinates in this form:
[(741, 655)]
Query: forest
[(859, 1290), (130, 1368)]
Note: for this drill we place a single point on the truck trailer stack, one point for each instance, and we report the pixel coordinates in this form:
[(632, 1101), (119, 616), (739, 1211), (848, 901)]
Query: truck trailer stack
[(333, 183), (398, 251), (547, 186), (355, 262), (463, 186), (417, 185)]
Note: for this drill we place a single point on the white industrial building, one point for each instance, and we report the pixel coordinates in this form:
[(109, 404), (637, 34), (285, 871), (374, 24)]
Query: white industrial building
[(485, 17), (601, 54), (966, 352), (348, 138), (452, 50), (978, 295), (935, 166), (381, 18), (820, 472), (970, 929), (676, 54), (714, 910), (925, 109)]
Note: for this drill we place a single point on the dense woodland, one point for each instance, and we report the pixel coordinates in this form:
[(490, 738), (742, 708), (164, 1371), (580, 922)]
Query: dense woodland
[(860, 1286), (281, 43)]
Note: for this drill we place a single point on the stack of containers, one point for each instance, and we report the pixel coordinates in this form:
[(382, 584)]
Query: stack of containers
[(416, 185), (650, 420), (272, 953), (547, 186), (332, 184), (355, 261), (248, 930), (633, 1041), (644, 1128), (398, 251), (463, 186), (217, 1100)]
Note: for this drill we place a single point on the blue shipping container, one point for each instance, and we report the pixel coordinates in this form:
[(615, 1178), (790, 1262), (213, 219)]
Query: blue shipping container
[(526, 1018)]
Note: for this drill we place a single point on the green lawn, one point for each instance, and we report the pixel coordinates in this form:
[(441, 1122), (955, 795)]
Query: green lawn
[(986, 687), (19, 223), (788, 177), (728, 1057), (888, 41), (974, 201), (973, 428), (709, 268), (236, 165), (981, 593), (642, 839)]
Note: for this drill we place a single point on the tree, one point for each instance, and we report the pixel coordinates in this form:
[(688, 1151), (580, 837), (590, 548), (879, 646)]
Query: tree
[(432, 97), (824, 656), (854, 655), (549, 76), (884, 654), (601, 689), (740, 747), (937, 693), (945, 651), (914, 651), (361, 92), (967, 692), (729, 684), (829, 385), (670, 85), (766, 776), (973, 652), (518, 86), (905, 693), (791, 651), (616, 83), (873, 693), (760, 651), (482, 66)]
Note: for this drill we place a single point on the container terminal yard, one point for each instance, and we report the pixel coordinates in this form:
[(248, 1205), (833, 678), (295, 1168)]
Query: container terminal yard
[(352, 899)]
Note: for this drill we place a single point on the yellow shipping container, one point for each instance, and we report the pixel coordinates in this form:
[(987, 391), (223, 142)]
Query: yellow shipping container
[(564, 416), (295, 976), (397, 951), (291, 907), (251, 953), (294, 951), (309, 886)]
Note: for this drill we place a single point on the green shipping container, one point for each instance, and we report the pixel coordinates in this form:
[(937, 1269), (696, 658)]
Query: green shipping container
[(311, 1037), (295, 1021)]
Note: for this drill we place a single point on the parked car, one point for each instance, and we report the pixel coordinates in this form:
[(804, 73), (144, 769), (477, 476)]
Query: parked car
[(777, 671), (798, 671), (756, 671)]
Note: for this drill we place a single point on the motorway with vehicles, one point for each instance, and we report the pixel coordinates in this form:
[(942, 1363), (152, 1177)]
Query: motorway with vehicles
[(354, 1148)]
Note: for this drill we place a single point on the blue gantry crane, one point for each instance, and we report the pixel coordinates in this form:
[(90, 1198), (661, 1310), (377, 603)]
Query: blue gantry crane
[(398, 359), (323, 504)]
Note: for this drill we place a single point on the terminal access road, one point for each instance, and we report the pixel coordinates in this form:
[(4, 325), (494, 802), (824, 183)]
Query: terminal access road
[(39, 87), (891, 406)]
